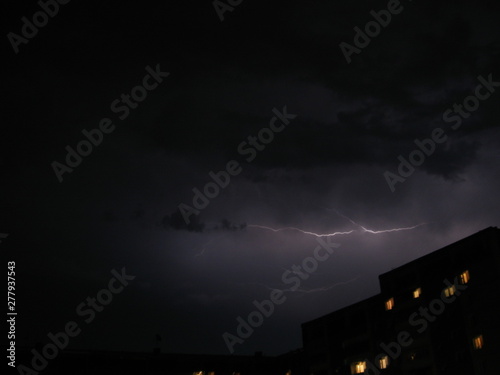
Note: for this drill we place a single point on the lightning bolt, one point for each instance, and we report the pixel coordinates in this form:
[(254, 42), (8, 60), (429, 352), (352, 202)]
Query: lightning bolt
[(362, 228), (299, 230), (202, 251), (391, 230), (307, 291), (326, 288), (375, 231)]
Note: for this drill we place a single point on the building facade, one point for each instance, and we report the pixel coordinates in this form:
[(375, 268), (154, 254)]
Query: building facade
[(438, 314)]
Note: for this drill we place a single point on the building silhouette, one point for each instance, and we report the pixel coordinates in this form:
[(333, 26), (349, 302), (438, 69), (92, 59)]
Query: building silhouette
[(438, 314)]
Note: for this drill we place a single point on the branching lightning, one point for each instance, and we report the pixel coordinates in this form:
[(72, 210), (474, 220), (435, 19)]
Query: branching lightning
[(391, 230), (376, 231), (307, 291), (202, 251), (362, 228), (326, 288), (299, 230)]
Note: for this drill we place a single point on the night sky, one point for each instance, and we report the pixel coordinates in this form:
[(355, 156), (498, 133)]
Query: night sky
[(328, 131)]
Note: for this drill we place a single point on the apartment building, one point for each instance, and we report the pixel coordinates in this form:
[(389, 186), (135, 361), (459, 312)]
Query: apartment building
[(438, 314)]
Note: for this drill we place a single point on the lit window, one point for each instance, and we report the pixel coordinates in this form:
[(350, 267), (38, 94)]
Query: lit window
[(383, 362), (199, 373), (478, 342), (389, 304), (358, 367), (464, 277), (289, 372), (448, 292), (417, 292)]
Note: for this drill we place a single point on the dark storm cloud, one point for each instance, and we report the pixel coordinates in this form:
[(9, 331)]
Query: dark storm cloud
[(176, 221), (196, 117), (407, 53), (449, 162)]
